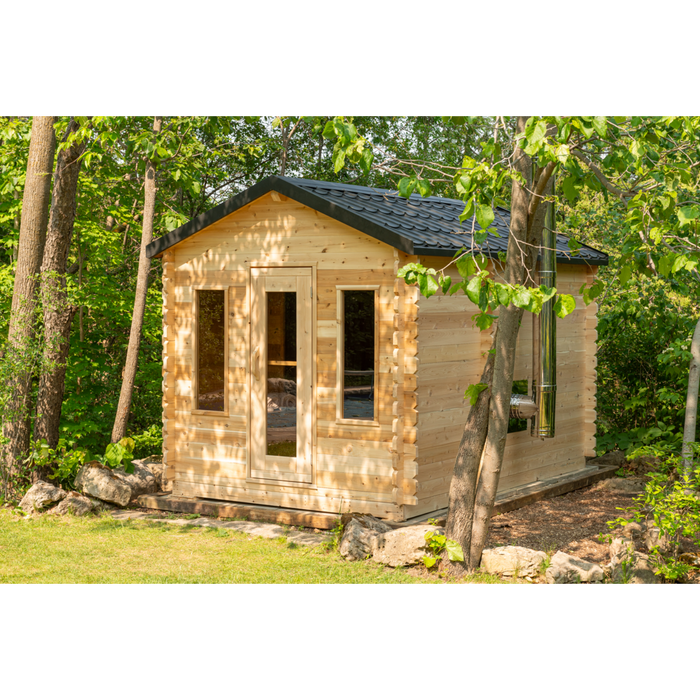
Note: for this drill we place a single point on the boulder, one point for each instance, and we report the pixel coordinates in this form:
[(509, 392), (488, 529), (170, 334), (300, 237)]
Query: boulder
[(155, 464), (404, 546), (563, 568), (361, 537), (622, 485), (613, 459), (40, 496), (654, 538), (512, 561), (627, 565), (141, 481), (75, 504), (98, 481)]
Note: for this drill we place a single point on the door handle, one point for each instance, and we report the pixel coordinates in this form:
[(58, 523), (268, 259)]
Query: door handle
[(256, 363)]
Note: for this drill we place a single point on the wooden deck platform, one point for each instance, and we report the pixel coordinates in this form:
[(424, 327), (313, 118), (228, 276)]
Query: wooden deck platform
[(507, 501)]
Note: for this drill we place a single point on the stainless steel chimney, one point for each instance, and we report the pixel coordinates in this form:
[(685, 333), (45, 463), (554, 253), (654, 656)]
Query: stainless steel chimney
[(544, 338)]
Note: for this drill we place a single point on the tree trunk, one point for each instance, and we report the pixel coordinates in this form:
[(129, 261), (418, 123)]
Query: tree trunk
[(58, 313), (527, 221), (149, 207), (508, 325), (691, 402), (32, 238), (460, 509)]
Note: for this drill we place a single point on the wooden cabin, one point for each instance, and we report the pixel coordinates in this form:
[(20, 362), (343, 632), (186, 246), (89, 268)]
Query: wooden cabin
[(300, 372)]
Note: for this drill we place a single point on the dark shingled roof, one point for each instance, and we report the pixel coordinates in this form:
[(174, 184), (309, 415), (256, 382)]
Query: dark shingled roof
[(417, 226)]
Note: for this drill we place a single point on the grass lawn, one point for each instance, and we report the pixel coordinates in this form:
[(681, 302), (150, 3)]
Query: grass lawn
[(67, 549)]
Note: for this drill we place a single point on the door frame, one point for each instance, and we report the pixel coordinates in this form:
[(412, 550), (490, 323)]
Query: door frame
[(280, 269)]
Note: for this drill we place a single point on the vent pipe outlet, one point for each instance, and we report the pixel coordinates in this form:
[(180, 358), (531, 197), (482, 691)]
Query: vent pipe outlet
[(544, 338)]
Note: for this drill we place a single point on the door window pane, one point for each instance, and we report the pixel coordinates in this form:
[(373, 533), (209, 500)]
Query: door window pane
[(211, 344), (358, 354), (282, 374)]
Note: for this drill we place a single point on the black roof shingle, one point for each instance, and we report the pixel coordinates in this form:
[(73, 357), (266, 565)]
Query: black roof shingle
[(417, 226)]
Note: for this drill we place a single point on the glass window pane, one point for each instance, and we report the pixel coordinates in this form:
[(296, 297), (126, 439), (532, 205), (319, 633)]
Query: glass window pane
[(358, 354), (211, 344), (282, 374)]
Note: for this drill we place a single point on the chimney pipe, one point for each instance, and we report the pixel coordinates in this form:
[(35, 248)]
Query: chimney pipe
[(544, 337)]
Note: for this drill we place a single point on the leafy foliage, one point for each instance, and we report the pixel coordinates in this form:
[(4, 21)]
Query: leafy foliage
[(438, 544), (670, 502)]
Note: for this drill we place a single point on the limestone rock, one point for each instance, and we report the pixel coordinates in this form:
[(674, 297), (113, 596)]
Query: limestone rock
[(654, 538), (404, 546), (613, 459), (40, 496), (512, 561), (690, 558), (628, 565), (141, 481), (633, 531), (155, 464), (98, 481), (75, 504), (361, 537), (563, 568), (623, 485)]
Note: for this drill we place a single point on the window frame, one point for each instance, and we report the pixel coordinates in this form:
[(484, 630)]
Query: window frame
[(340, 352), (195, 350)]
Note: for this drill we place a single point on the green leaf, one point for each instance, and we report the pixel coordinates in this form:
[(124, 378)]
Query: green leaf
[(406, 186), (424, 188), (329, 131), (430, 561), (502, 293), (473, 391), (445, 283), (600, 124), (570, 189), (625, 274), (688, 214), (466, 266), (366, 160), (454, 551), (427, 285), (564, 305), (521, 297), (473, 289), (484, 216), (483, 320)]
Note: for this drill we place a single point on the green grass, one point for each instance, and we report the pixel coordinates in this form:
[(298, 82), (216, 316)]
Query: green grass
[(100, 549)]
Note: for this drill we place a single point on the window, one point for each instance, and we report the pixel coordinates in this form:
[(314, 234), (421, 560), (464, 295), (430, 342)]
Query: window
[(357, 353), (210, 350), (517, 425)]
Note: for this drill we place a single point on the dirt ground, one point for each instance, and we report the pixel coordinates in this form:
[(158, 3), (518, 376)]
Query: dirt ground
[(571, 523)]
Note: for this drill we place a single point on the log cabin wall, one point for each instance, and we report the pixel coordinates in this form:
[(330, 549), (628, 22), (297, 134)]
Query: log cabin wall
[(355, 465), (451, 357)]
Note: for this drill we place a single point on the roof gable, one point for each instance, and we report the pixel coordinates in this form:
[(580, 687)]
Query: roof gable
[(416, 226)]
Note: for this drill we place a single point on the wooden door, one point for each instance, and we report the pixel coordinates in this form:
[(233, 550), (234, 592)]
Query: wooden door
[(281, 364)]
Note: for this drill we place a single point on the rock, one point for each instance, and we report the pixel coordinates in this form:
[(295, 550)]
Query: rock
[(41, 495), (563, 568), (141, 481), (628, 565), (512, 561), (361, 536), (633, 531), (76, 504), (159, 470), (654, 538), (623, 485), (613, 459), (98, 481), (405, 546), (690, 558)]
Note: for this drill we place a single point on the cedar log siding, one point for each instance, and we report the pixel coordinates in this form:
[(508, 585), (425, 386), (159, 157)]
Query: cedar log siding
[(355, 467), (451, 357), (428, 353)]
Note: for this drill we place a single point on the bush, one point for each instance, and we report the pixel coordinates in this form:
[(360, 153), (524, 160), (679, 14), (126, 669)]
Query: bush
[(670, 502)]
